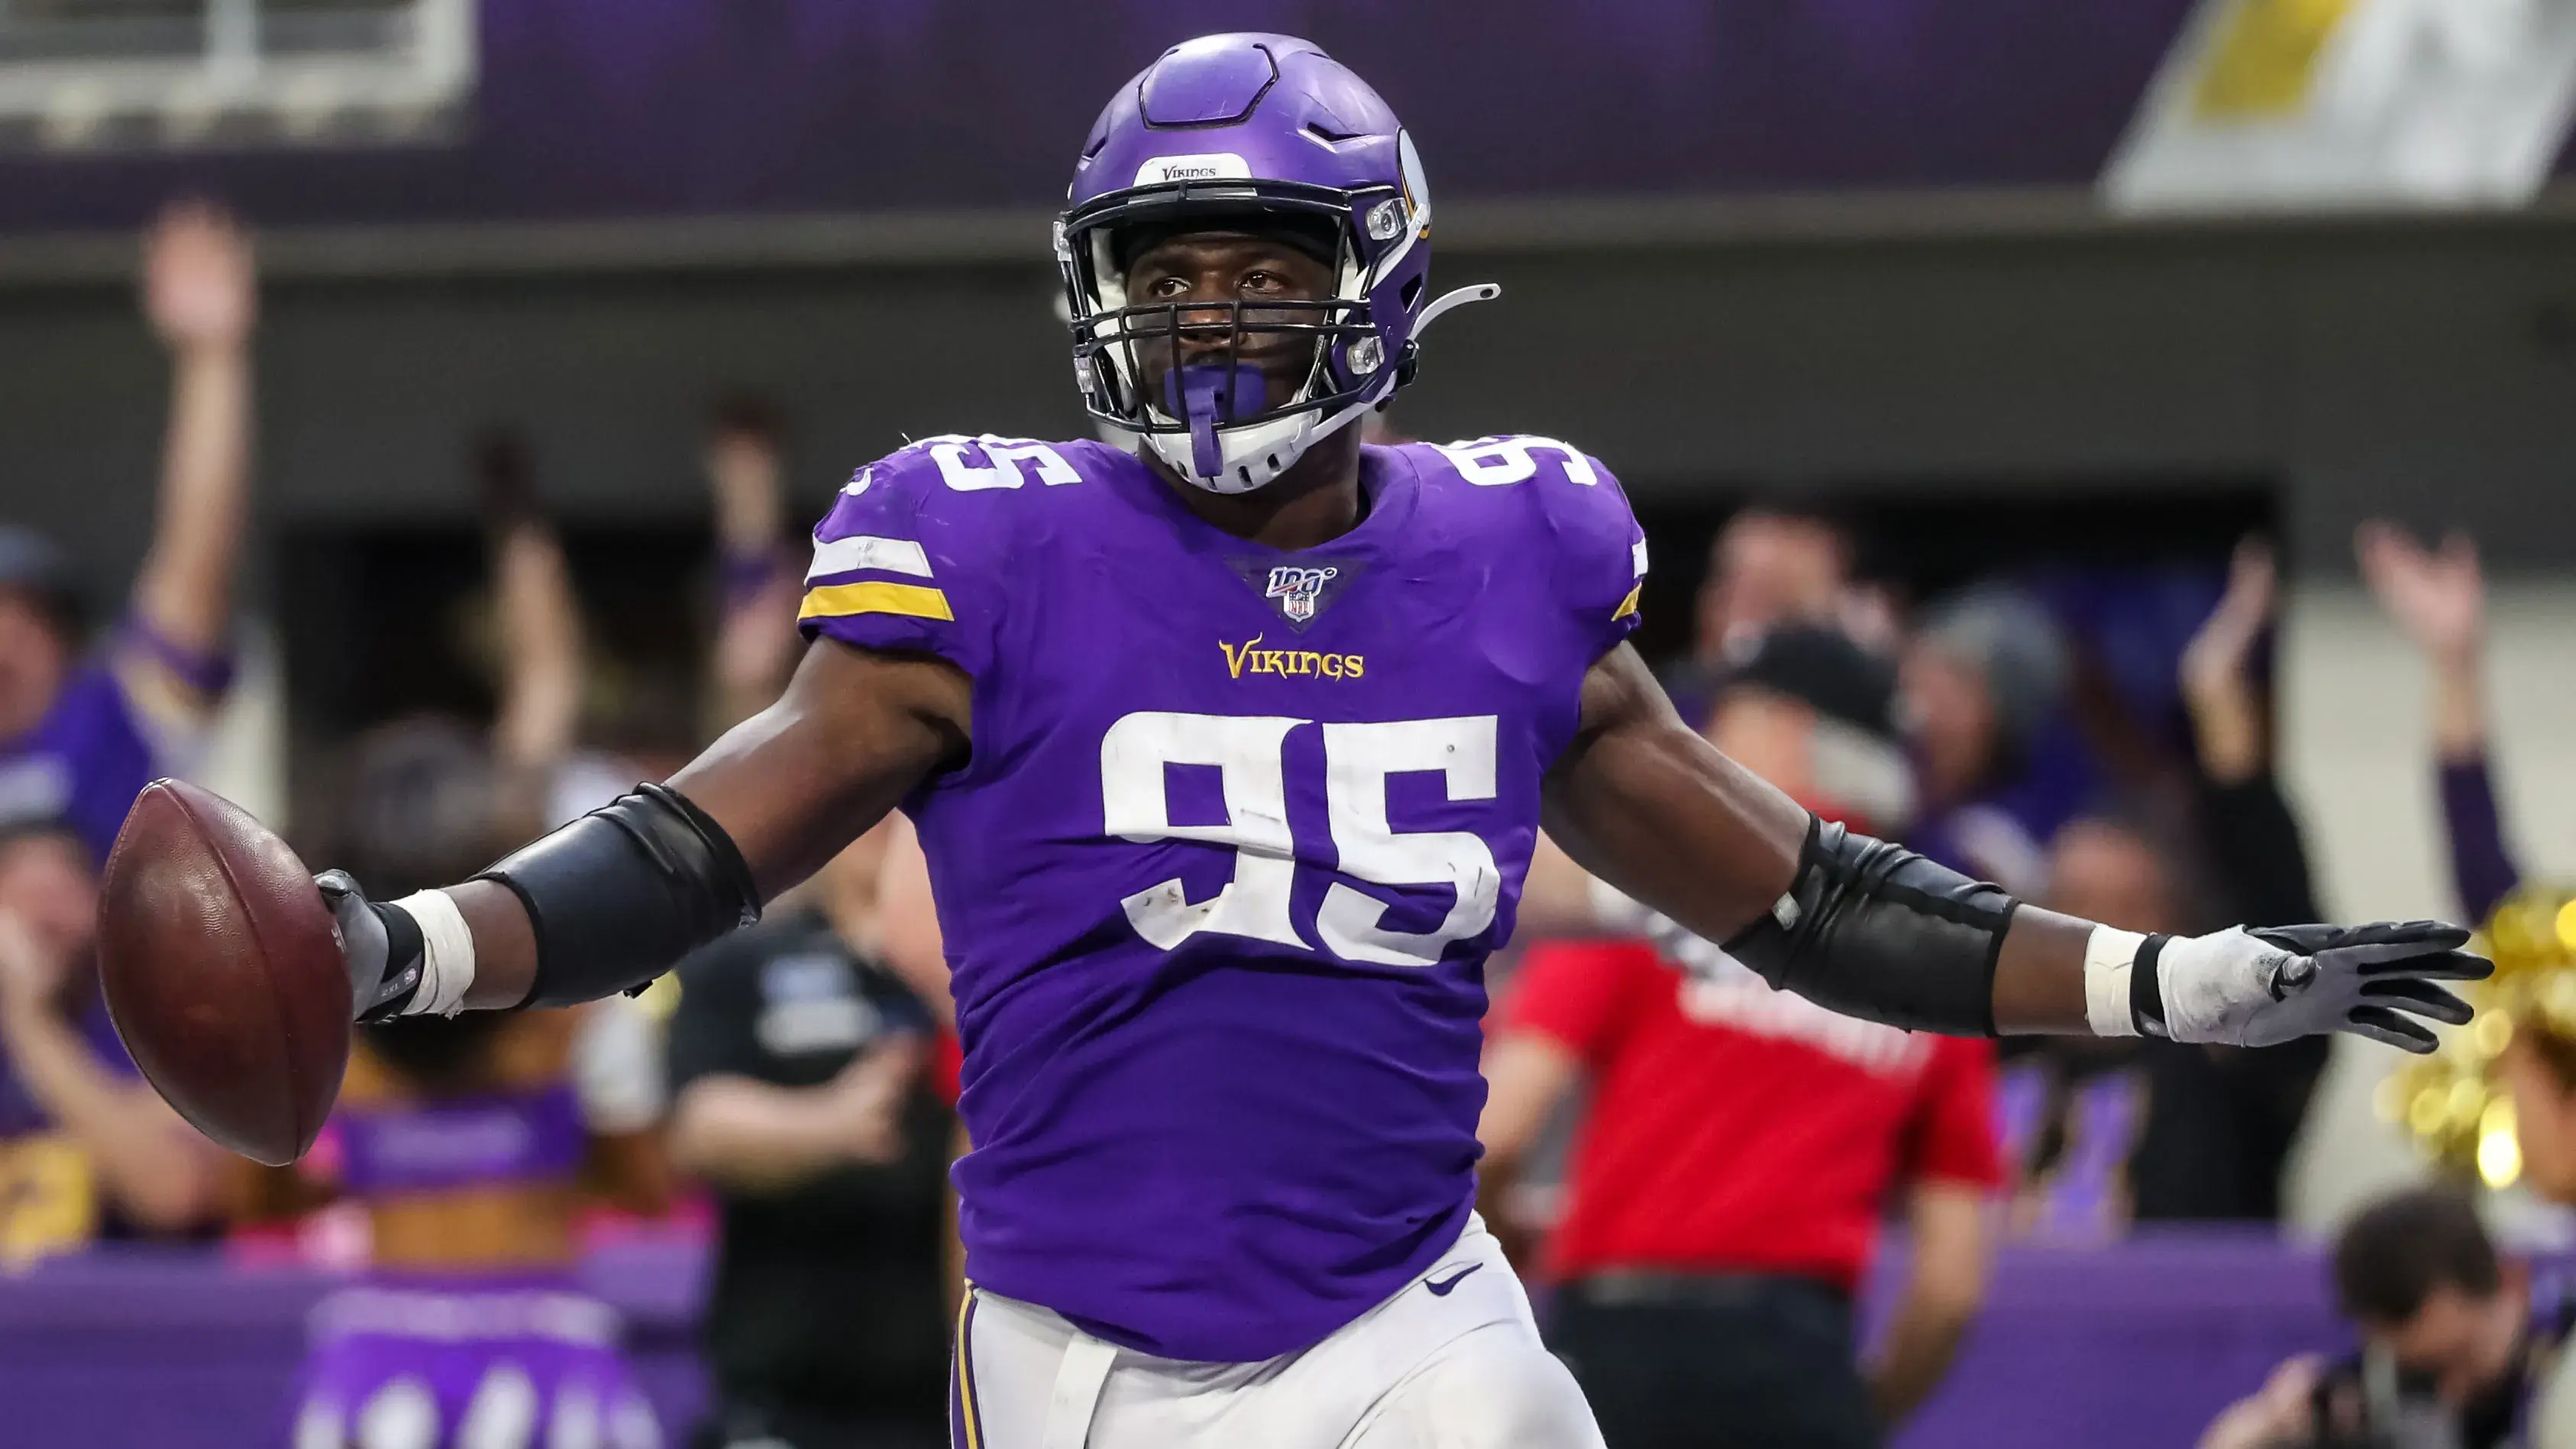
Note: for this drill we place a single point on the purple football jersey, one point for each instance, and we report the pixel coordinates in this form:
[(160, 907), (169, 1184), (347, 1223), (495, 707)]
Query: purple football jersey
[(1238, 833), (84, 762)]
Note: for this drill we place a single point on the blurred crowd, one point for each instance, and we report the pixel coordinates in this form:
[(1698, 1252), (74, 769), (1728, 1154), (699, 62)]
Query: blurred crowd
[(1703, 1170)]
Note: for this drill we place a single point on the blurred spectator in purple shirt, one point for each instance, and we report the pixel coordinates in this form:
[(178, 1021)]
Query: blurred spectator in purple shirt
[(79, 739)]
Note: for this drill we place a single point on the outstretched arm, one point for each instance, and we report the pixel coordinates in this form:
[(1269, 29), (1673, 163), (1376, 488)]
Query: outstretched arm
[(1871, 930), (617, 891)]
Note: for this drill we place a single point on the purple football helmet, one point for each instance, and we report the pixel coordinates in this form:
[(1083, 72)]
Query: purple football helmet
[(1240, 131)]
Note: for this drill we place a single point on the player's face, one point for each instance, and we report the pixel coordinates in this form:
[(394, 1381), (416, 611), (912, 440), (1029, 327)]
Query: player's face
[(31, 665), (1221, 281)]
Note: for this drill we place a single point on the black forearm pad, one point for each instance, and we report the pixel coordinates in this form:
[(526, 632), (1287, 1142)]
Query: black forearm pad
[(1873, 930), (620, 895)]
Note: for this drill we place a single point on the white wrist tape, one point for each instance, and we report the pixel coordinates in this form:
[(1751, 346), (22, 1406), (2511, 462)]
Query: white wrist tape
[(2109, 956), (446, 956)]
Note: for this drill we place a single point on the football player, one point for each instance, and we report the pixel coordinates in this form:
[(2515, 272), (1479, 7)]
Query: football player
[(1228, 754)]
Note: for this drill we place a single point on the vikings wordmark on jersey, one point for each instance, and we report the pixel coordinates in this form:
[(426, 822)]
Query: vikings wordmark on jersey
[(1218, 889)]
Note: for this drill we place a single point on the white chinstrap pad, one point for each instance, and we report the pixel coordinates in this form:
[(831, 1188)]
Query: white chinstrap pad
[(2109, 956), (447, 954)]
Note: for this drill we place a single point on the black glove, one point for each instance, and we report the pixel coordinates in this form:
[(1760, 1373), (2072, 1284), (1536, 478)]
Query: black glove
[(381, 944)]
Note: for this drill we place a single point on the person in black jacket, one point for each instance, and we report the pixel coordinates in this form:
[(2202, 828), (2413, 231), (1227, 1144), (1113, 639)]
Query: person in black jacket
[(2219, 1121), (798, 1094), (2223, 1118), (2196, 849)]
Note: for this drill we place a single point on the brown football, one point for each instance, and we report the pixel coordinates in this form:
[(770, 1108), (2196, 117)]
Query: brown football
[(222, 971)]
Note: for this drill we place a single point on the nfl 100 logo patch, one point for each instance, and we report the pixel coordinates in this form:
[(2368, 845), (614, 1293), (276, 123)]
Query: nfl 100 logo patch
[(1297, 588), (1300, 591)]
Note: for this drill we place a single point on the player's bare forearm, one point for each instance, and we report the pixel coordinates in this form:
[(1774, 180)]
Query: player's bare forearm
[(789, 787), (2039, 975), (1642, 801), (505, 945)]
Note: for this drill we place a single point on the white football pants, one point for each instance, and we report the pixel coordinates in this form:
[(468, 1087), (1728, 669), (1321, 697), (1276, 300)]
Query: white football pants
[(1460, 1369)]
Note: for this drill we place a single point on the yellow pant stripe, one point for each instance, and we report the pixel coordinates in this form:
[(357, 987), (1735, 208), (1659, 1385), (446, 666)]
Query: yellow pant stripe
[(966, 1413)]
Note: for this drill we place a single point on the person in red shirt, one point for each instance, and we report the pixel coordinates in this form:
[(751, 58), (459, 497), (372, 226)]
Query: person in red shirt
[(1740, 1144)]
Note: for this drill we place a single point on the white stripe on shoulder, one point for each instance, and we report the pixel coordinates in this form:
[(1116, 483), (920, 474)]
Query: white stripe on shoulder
[(868, 551), (1639, 554)]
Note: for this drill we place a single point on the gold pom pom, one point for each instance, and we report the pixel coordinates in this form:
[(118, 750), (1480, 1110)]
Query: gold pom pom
[(2454, 1102)]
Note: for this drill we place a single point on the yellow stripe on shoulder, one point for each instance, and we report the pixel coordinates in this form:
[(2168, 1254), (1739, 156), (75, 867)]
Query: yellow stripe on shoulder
[(838, 600), (1628, 605)]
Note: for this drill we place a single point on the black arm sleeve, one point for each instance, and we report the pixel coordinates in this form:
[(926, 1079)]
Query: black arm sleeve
[(1875, 931), (620, 895)]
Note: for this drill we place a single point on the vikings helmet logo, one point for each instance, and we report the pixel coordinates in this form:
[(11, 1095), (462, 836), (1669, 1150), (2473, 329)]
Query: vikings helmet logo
[(1297, 589)]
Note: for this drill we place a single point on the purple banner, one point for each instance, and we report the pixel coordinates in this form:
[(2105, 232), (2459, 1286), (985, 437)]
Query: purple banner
[(646, 108), (2134, 1346)]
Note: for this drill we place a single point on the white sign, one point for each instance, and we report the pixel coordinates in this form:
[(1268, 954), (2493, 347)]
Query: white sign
[(2286, 104)]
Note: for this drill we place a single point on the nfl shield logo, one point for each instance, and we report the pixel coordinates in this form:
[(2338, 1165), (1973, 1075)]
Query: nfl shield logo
[(1297, 589)]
